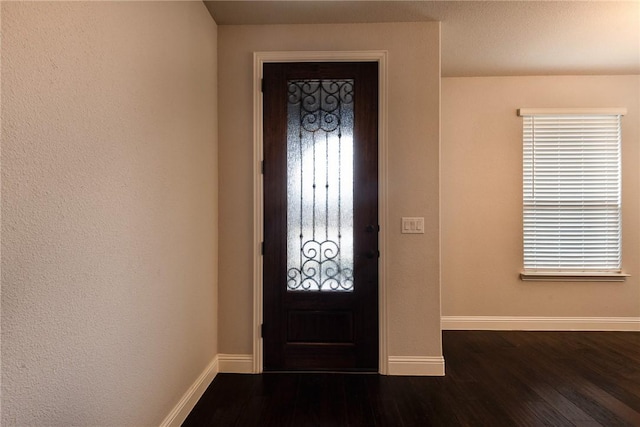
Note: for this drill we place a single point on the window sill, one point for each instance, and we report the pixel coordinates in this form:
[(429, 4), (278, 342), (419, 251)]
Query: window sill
[(572, 277)]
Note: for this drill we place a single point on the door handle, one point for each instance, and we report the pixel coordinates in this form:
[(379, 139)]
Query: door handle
[(372, 254), (371, 228)]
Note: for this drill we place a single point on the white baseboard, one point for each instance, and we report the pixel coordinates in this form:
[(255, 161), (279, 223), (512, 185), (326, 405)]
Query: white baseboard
[(235, 363), (416, 365), (186, 404), (520, 323)]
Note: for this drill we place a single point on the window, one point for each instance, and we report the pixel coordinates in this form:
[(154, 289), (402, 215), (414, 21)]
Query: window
[(571, 194)]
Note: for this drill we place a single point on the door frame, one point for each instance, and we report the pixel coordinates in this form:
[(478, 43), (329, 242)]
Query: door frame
[(259, 59)]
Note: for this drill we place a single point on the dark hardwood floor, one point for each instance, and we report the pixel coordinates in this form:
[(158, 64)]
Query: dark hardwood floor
[(493, 379)]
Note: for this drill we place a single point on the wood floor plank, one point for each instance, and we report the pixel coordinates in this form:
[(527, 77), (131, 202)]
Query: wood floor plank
[(560, 357), (409, 403), (320, 401), (383, 403), (359, 409), (279, 392), (546, 415), (494, 378), (543, 386)]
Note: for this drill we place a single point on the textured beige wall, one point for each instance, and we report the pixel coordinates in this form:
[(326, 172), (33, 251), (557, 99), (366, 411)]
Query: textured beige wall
[(413, 260), (109, 200), (482, 197)]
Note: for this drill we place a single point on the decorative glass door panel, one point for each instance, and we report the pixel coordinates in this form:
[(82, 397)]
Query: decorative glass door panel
[(320, 185)]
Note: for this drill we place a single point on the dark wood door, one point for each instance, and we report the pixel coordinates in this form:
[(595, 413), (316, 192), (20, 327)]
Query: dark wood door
[(320, 216)]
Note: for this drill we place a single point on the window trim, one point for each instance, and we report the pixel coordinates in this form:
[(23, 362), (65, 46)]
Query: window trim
[(571, 111), (572, 276), (531, 276)]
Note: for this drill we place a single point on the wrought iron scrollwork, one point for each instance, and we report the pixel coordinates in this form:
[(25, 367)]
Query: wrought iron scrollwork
[(318, 108), (320, 269), (320, 102)]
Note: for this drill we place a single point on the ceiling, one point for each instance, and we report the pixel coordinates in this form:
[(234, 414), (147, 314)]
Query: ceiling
[(483, 38)]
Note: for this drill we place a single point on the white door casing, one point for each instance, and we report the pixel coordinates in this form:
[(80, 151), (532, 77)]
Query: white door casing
[(260, 58)]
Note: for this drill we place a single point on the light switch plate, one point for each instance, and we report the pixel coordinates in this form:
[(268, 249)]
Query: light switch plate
[(412, 225)]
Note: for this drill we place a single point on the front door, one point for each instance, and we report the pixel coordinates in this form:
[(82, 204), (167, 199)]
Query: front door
[(320, 216)]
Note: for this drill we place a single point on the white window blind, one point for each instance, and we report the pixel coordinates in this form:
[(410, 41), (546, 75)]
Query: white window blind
[(571, 192)]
